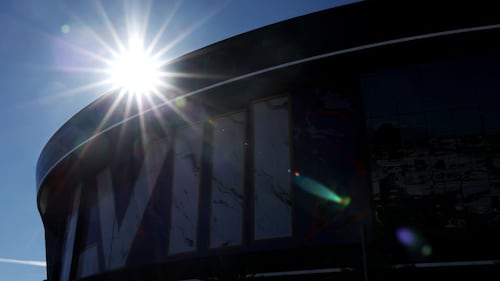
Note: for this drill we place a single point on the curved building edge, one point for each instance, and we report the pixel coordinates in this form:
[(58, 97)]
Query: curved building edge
[(284, 50), (358, 26)]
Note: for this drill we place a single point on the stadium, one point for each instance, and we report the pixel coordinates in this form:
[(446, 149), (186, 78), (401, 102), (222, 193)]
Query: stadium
[(356, 143)]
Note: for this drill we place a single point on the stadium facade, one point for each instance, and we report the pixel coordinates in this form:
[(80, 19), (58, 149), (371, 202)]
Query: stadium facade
[(360, 142)]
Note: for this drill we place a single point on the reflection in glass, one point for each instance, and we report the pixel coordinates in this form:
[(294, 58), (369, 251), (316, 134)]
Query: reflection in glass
[(226, 221), (272, 179), (433, 135), (185, 190)]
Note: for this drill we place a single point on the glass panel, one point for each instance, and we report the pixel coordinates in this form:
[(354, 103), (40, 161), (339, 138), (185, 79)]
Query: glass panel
[(226, 220), (88, 263), (440, 176), (272, 182), (107, 216), (185, 190), (70, 238)]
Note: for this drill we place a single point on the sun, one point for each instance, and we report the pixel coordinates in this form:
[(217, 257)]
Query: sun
[(134, 71)]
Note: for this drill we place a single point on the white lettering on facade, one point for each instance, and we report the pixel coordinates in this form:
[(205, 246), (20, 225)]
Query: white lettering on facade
[(117, 239)]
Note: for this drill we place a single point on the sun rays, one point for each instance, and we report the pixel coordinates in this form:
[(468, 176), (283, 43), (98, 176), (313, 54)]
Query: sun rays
[(129, 56), (134, 71)]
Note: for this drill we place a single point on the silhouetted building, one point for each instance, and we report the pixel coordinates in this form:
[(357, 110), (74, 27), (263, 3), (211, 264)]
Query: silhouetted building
[(357, 142)]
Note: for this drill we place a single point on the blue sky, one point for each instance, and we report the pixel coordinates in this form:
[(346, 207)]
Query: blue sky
[(46, 51)]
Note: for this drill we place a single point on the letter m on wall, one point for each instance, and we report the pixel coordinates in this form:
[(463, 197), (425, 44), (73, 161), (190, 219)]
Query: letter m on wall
[(117, 238)]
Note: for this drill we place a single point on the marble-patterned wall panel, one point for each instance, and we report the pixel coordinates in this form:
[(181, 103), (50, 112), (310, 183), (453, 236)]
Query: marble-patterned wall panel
[(272, 179), (226, 218), (185, 190)]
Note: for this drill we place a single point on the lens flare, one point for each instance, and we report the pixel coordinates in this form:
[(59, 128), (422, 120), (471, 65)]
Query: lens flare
[(315, 188), (426, 250), (414, 242), (181, 102), (65, 28), (406, 236)]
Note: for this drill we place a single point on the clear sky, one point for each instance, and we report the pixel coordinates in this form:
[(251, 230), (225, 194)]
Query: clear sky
[(48, 53)]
